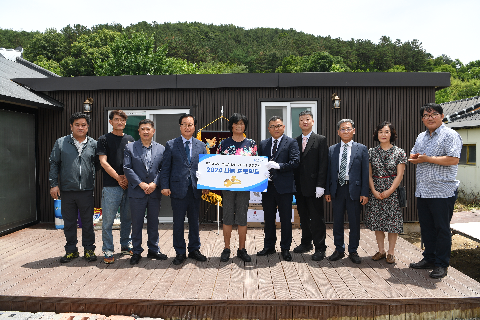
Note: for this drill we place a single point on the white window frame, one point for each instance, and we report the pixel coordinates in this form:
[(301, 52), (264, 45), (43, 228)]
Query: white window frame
[(287, 114)]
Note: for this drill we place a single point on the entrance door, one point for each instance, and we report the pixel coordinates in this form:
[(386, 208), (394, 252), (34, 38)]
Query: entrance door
[(166, 128)]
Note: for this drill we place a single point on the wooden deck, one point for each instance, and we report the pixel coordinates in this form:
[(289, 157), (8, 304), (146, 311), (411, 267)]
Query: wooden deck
[(32, 279)]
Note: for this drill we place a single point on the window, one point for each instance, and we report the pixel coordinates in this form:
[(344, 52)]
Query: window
[(469, 154), (289, 111)]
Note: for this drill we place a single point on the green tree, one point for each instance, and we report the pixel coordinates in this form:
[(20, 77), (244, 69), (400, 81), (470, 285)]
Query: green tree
[(458, 90), (87, 51), (50, 44), (133, 55), (50, 65)]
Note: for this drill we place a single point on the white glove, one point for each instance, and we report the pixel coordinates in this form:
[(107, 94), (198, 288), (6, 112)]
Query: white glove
[(198, 174), (319, 192), (267, 176), (272, 165)]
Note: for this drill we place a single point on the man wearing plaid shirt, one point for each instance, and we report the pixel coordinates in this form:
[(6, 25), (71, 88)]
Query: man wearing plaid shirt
[(436, 153)]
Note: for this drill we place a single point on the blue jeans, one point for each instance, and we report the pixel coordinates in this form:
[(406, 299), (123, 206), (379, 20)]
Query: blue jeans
[(112, 199)]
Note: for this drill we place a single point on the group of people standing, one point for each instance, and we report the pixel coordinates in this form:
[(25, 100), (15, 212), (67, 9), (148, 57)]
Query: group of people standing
[(347, 174)]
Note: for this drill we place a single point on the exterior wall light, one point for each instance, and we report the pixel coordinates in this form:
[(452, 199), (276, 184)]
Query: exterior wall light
[(87, 105), (336, 101)]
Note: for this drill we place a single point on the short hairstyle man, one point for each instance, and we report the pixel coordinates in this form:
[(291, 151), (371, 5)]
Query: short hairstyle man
[(436, 153), (310, 181), (347, 188), (110, 150), (179, 181), (142, 164), (284, 156), (72, 176)]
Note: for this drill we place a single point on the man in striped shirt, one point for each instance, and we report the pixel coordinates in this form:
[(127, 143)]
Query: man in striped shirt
[(436, 153)]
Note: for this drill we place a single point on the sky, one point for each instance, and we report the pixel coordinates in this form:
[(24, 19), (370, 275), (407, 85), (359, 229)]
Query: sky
[(442, 26)]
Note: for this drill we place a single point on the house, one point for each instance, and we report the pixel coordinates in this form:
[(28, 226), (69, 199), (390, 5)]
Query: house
[(467, 124), (367, 98), (19, 143)]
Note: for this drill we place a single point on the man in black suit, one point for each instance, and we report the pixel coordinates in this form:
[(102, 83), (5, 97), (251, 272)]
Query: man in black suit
[(284, 157), (347, 188), (310, 180)]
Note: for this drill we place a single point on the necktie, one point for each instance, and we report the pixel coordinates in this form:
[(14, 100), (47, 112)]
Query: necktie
[(343, 166), (274, 149), (304, 143), (187, 150)]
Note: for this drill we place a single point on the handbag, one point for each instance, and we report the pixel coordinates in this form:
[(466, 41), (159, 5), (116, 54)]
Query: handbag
[(402, 196), (401, 191)]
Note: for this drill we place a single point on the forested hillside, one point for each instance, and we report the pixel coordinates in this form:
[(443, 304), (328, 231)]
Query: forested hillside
[(185, 48)]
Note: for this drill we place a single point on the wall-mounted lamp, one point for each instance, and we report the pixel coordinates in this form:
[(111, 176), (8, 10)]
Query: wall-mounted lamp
[(87, 105), (336, 101)]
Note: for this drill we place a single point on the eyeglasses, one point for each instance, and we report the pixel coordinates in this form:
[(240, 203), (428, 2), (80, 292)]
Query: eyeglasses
[(433, 115), (185, 125), (119, 120), (278, 126), (346, 130)]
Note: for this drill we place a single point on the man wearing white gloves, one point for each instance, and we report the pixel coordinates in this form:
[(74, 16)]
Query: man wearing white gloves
[(310, 180), (284, 156)]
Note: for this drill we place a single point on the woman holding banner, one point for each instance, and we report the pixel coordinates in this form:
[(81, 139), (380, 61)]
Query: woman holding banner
[(235, 203)]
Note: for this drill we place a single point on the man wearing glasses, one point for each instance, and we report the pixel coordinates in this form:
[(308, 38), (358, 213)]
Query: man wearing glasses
[(284, 156), (347, 188), (110, 150), (436, 153), (178, 179)]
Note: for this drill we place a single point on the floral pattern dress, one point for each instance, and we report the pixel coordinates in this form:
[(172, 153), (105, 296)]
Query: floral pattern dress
[(384, 215), (247, 147)]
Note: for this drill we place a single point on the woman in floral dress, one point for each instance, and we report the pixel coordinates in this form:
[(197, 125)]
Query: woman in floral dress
[(383, 212), (235, 203)]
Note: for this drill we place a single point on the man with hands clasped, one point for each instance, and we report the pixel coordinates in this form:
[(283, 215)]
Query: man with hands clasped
[(142, 164), (436, 154), (347, 188), (110, 151), (284, 157), (311, 180)]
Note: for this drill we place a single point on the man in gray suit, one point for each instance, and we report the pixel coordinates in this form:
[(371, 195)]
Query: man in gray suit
[(347, 188), (141, 165), (179, 181)]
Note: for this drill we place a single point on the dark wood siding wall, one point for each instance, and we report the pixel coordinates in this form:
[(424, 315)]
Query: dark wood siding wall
[(367, 106)]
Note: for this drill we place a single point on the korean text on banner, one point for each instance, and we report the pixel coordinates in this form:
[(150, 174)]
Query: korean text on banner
[(235, 173)]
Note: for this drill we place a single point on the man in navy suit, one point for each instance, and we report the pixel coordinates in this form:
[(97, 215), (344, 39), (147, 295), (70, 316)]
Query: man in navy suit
[(141, 165), (347, 188), (284, 156), (179, 181)]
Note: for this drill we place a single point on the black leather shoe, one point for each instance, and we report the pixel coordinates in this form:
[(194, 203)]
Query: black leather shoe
[(179, 258), (225, 256), (156, 255), (197, 255), (355, 257), (422, 264), (265, 252), (318, 256), (438, 273), (302, 248), (135, 258), (286, 255), (337, 255), (242, 254)]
